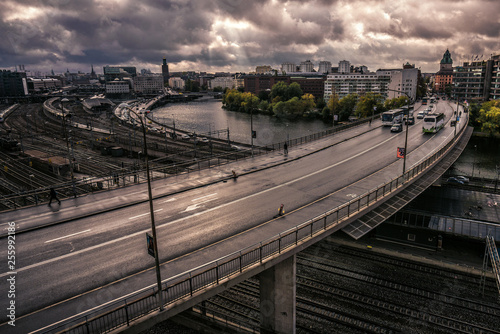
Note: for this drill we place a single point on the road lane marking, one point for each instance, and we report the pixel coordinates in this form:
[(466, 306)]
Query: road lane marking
[(169, 200), (67, 236), (196, 199), (144, 214), (139, 233)]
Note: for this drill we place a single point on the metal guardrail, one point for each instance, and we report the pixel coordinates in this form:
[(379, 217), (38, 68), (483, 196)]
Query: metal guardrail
[(126, 177), (121, 312)]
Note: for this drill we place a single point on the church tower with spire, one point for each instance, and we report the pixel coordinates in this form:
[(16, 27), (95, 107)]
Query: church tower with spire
[(92, 73), (444, 77)]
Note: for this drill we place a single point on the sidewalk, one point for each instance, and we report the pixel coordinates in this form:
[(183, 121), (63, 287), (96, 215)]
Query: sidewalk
[(34, 217)]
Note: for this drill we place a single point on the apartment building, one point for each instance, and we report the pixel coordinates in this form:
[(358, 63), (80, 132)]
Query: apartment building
[(477, 80), (149, 84)]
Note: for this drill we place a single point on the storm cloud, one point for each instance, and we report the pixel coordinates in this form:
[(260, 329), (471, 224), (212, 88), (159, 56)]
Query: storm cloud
[(237, 35)]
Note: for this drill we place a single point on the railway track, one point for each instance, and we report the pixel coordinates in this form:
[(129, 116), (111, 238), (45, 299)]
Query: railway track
[(40, 131), (469, 281), (347, 290)]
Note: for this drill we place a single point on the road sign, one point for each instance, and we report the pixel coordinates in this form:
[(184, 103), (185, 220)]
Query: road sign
[(150, 244), (401, 152)]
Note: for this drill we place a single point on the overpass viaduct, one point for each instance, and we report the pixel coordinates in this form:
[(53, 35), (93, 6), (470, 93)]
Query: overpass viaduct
[(91, 272)]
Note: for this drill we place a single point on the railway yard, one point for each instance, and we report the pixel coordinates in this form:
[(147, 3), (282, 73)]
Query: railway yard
[(37, 146), (343, 288)]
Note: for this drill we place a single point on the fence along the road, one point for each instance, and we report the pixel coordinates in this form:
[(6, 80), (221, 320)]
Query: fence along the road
[(118, 313), (126, 177)]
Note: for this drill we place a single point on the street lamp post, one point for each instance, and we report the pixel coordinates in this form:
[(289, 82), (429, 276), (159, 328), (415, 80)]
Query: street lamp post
[(151, 211), (407, 116), (67, 145), (406, 135)]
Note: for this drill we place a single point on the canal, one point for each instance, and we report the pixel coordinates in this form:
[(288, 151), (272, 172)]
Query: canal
[(481, 157), (204, 117)]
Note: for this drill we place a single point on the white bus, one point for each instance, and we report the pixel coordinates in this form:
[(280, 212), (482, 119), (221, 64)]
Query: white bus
[(392, 116), (433, 123)]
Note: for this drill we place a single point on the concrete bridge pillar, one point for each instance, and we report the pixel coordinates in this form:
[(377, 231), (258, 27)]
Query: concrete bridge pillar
[(277, 298)]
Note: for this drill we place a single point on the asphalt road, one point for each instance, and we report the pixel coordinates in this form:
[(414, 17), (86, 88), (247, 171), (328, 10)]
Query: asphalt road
[(83, 263)]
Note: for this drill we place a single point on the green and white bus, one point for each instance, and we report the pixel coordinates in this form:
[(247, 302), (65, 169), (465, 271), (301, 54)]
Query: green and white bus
[(433, 123)]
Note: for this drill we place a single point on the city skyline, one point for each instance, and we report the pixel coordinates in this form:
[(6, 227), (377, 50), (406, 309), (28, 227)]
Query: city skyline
[(237, 35)]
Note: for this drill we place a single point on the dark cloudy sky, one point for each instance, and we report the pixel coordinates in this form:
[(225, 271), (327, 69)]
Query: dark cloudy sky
[(237, 35)]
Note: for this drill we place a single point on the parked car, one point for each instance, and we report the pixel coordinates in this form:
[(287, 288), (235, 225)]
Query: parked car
[(454, 180), (184, 136), (396, 127)]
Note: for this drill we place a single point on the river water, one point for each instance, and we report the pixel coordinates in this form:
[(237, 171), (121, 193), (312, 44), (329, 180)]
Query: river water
[(479, 159), (206, 116)]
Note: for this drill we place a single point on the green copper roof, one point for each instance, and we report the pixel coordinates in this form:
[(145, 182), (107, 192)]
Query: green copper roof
[(447, 58)]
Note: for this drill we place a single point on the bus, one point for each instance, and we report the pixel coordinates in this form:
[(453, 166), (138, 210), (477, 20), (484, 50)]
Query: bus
[(424, 101), (392, 116), (433, 123)]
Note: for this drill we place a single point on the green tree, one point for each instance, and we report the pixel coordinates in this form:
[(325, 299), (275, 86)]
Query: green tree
[(396, 102), (250, 102), (333, 106), (264, 106), (279, 90), (320, 103), (264, 95), (293, 90), (366, 103), (326, 114), (489, 117), (308, 102), (192, 86), (347, 106)]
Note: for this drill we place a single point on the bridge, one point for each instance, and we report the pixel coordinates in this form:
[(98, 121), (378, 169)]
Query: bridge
[(88, 270)]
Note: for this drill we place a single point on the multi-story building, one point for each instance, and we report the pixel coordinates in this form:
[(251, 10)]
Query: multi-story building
[(263, 69), (354, 83), (314, 85), (118, 72), (495, 78), (288, 68), (444, 77), (402, 82), (477, 80), (325, 67), (117, 87), (306, 66), (42, 85), (148, 84), (176, 83), (13, 84), (258, 83), (344, 67), (223, 82), (310, 84)]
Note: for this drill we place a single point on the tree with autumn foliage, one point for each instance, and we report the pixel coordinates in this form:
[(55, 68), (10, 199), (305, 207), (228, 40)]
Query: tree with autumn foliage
[(489, 117), (366, 104)]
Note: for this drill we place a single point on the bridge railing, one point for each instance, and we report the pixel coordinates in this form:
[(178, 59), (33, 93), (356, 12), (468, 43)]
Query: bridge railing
[(186, 285)]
